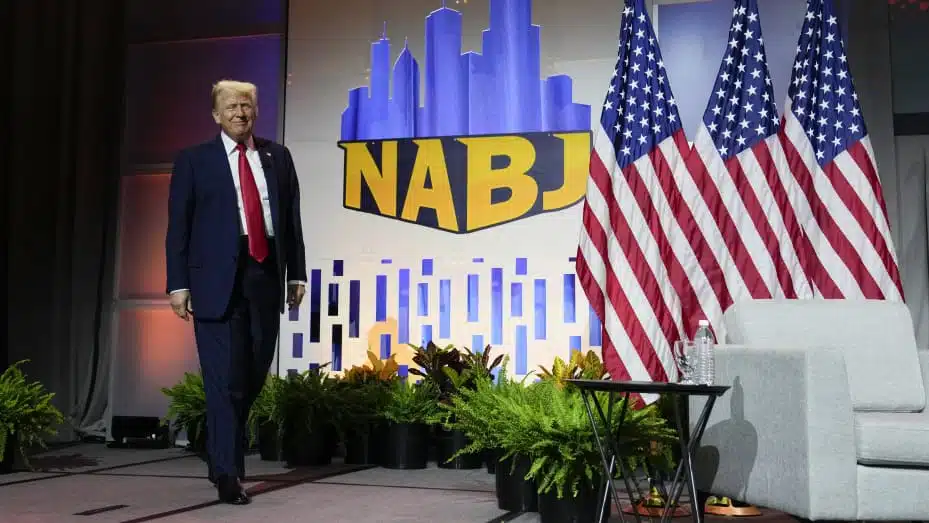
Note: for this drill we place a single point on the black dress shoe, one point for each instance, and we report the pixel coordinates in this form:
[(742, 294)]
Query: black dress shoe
[(230, 491)]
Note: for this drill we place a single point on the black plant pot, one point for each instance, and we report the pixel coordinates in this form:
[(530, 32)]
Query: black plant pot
[(364, 446), (9, 454), (514, 492), (450, 442), (583, 508), (491, 457), (196, 444), (269, 442), (300, 448), (406, 446)]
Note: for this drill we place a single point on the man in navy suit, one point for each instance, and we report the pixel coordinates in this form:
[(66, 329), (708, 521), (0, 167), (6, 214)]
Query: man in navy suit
[(234, 233)]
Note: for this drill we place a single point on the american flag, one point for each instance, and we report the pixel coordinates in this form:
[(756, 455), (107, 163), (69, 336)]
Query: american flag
[(739, 196), (826, 143), (630, 244)]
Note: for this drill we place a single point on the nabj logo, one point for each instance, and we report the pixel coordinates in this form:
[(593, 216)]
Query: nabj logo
[(491, 143)]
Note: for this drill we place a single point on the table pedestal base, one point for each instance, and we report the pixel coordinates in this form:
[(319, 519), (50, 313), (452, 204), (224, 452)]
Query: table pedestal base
[(642, 509), (723, 506)]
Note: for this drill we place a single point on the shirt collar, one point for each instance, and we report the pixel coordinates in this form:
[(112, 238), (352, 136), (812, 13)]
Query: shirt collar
[(229, 144)]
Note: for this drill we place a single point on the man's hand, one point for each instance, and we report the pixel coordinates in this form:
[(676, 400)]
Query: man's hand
[(295, 292), (180, 302)]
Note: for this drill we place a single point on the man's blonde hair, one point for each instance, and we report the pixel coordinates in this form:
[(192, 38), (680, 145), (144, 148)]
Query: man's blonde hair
[(243, 88)]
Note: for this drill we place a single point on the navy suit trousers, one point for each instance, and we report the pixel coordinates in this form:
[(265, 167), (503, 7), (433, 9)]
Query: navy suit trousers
[(236, 352)]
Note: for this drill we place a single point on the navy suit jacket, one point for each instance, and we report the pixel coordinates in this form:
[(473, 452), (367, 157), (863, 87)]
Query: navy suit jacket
[(203, 238)]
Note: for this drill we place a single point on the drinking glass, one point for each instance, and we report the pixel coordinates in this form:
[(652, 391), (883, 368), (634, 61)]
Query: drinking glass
[(685, 357)]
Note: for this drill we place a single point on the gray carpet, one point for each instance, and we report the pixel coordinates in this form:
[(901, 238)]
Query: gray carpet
[(132, 485), (94, 484), (430, 478), (320, 502)]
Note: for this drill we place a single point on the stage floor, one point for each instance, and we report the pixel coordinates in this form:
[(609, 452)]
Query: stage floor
[(91, 483)]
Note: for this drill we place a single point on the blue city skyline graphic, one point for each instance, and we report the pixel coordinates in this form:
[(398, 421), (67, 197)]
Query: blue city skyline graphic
[(499, 90)]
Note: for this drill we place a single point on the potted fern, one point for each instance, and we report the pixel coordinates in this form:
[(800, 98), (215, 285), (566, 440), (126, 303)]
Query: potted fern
[(482, 366), (366, 391), (479, 414), (550, 426), (408, 410), (451, 440), (187, 410), (263, 420), (27, 416), (307, 412)]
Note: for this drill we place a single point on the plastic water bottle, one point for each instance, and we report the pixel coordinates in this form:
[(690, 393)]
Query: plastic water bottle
[(705, 371)]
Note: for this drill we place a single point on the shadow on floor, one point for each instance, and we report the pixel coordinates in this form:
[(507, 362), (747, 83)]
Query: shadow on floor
[(61, 463)]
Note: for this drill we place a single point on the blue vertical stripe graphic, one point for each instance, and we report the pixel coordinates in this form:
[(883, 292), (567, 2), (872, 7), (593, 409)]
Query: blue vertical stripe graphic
[(522, 342), (313, 365), (324, 300), (403, 307), (333, 299), (516, 300), (316, 291), (336, 348), (539, 302), (354, 306), (385, 346), (496, 306), (595, 334), (473, 290), (574, 345), (380, 298), (403, 371), (570, 315), (422, 301), (445, 310)]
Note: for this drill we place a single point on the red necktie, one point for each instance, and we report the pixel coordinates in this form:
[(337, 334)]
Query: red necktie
[(254, 217)]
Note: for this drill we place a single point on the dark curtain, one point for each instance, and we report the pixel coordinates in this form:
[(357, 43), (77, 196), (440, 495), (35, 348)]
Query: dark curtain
[(63, 161)]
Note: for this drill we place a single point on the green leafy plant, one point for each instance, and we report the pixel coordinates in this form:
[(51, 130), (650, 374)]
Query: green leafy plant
[(374, 369), (585, 366), (479, 363), (548, 423), (265, 408), (307, 403), (364, 391), (187, 405), (26, 410), (432, 361), (412, 402), (476, 411), (363, 404)]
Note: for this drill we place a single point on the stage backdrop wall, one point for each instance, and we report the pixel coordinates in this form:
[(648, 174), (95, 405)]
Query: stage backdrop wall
[(386, 270)]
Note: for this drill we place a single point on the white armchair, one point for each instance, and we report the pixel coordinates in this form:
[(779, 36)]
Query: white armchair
[(827, 417)]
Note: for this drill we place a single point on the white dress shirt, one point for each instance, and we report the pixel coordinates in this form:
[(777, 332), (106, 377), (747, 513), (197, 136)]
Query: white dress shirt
[(254, 160)]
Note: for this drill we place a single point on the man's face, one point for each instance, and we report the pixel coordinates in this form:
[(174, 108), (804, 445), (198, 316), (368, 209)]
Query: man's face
[(236, 114)]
